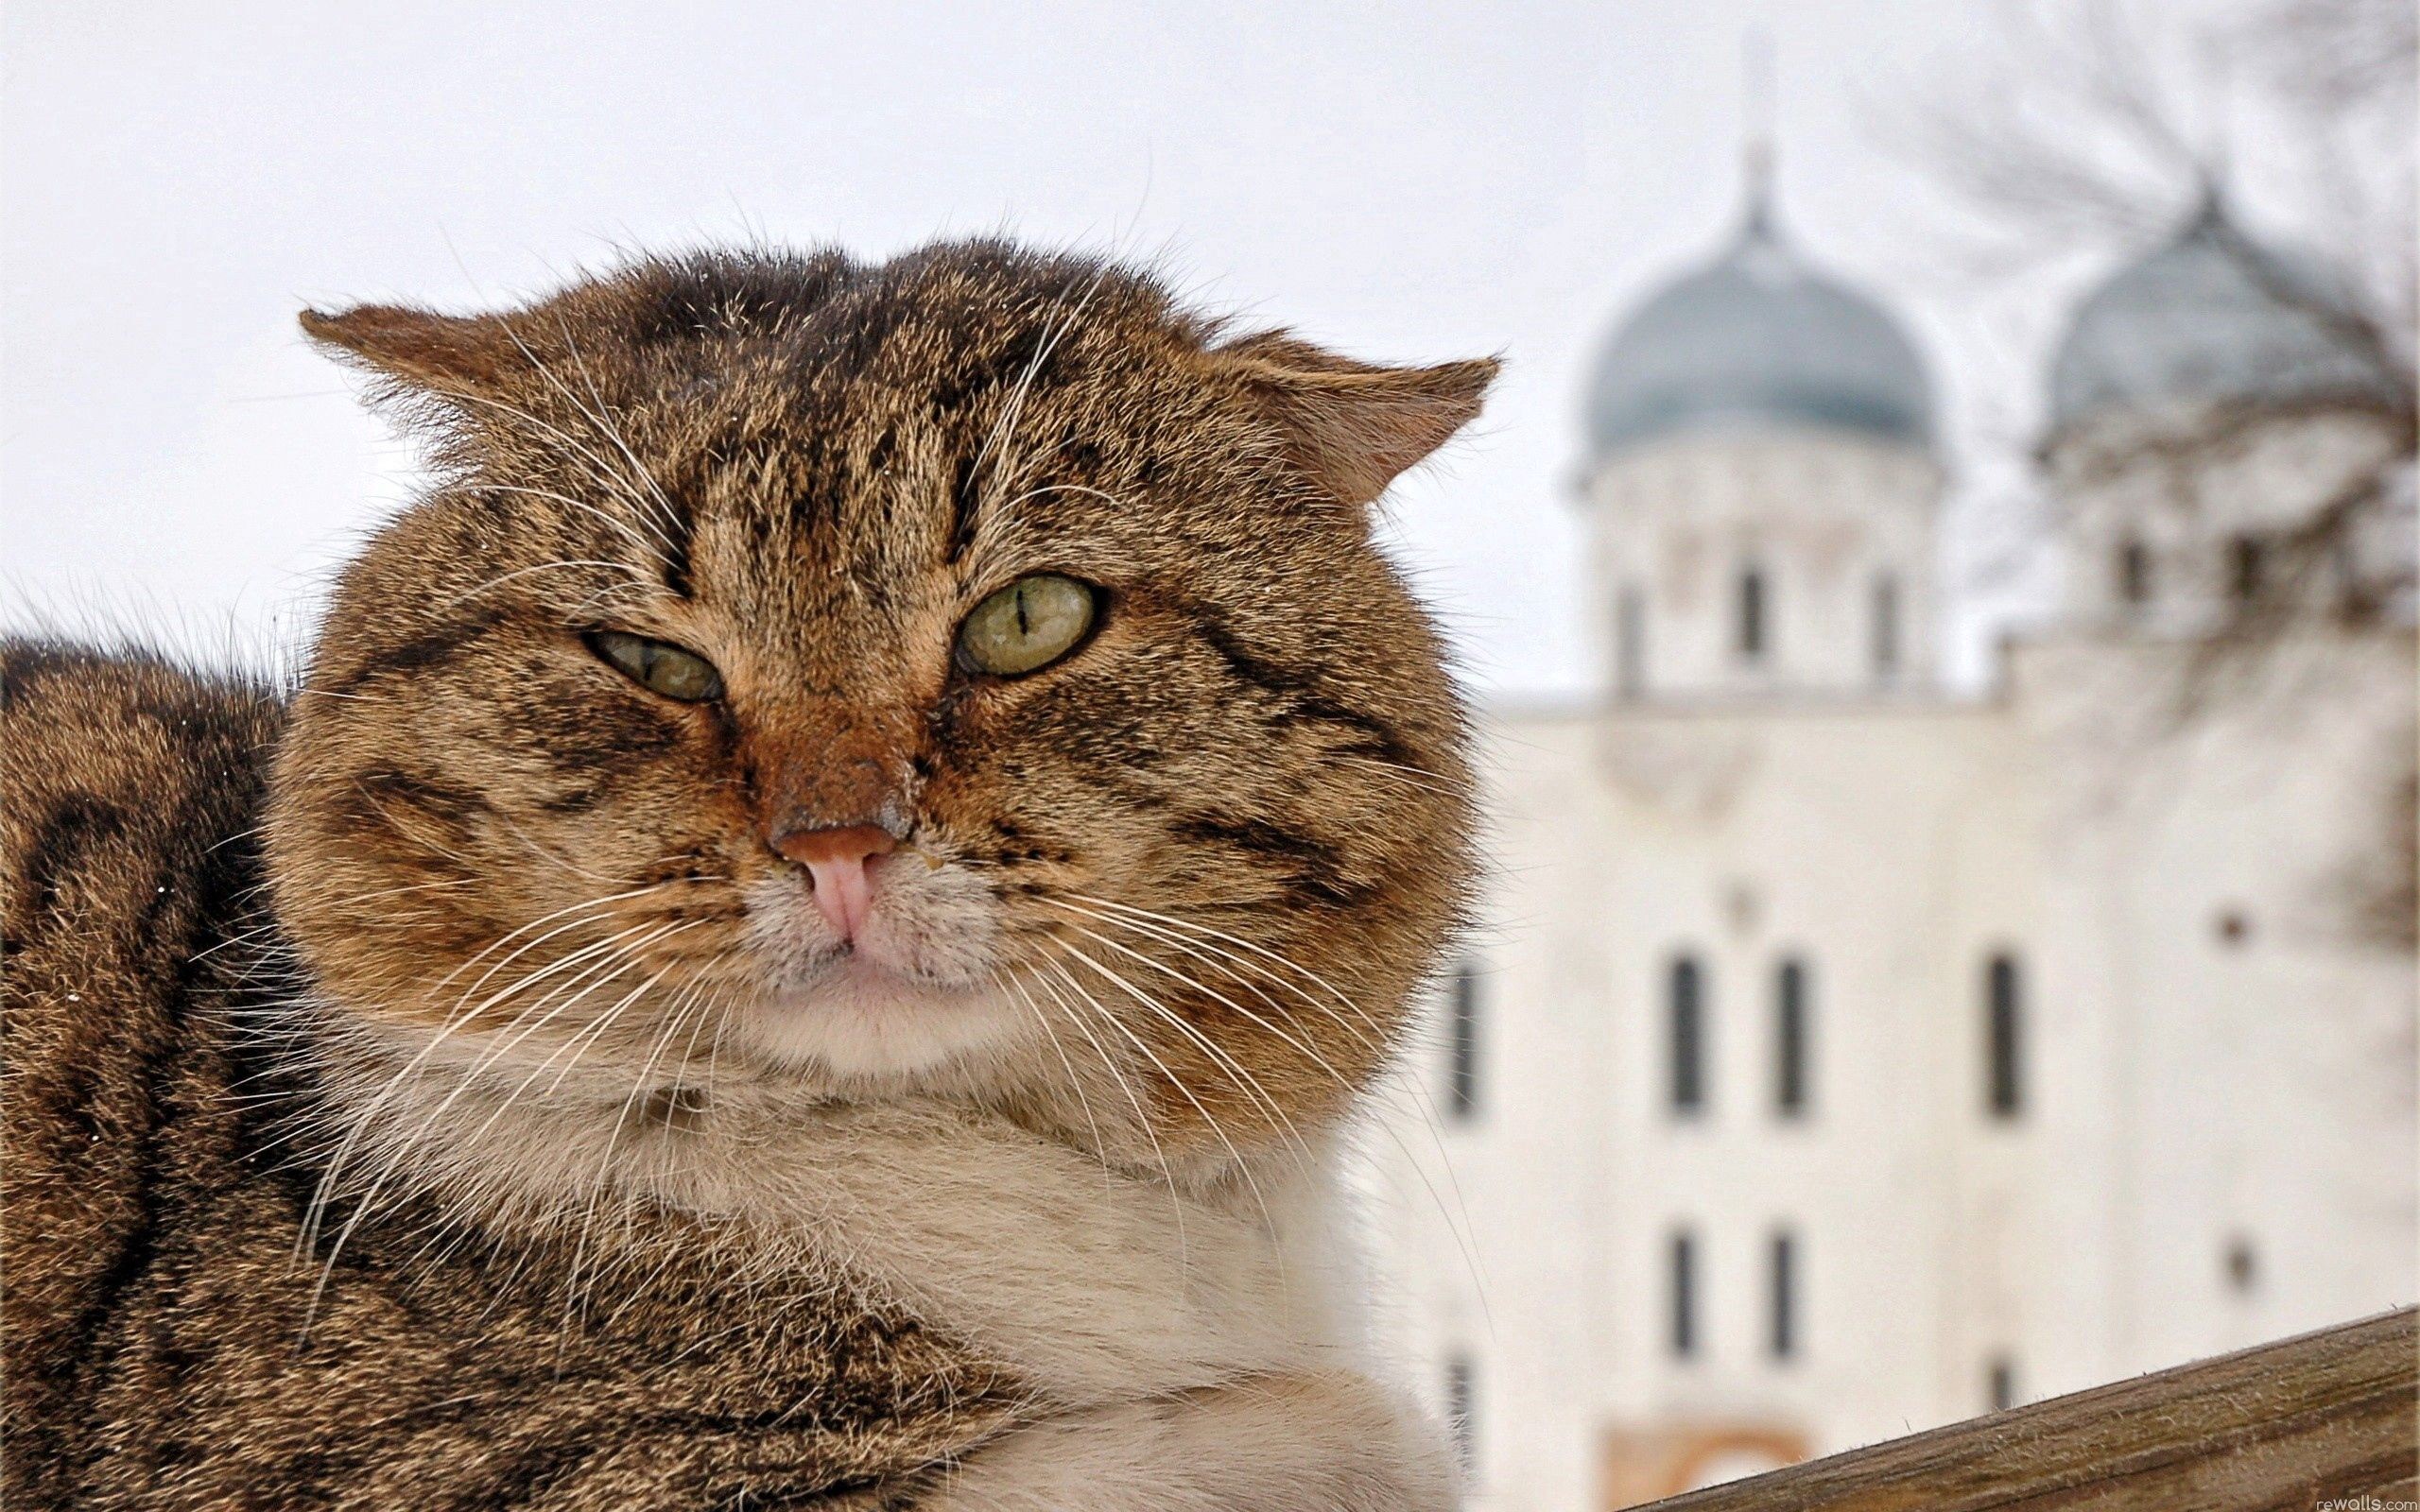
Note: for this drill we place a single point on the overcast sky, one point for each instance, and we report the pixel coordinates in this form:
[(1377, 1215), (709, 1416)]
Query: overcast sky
[(1399, 182)]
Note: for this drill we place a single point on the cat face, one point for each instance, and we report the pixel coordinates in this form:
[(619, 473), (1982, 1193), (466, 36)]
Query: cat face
[(965, 670)]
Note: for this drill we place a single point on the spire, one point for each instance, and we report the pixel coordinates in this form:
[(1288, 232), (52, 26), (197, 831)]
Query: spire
[(2218, 130), (2208, 217), (1756, 129)]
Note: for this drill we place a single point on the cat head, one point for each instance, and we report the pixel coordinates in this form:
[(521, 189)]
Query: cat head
[(967, 670)]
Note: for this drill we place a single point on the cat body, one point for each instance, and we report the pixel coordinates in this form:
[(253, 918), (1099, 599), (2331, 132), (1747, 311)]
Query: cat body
[(804, 939)]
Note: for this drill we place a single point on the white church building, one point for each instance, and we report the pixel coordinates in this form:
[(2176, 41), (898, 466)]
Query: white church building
[(1844, 1055)]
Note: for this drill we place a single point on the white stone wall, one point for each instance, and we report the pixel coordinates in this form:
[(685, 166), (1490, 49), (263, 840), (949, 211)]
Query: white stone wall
[(2215, 1059), (2257, 1043), (1869, 844), (2183, 485), (2184, 1090), (1822, 516)]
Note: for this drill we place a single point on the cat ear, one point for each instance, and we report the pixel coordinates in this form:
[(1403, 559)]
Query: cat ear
[(1350, 425), (419, 349)]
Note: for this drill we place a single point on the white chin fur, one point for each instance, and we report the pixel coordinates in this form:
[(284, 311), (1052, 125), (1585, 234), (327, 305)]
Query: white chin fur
[(919, 992), (860, 1023)]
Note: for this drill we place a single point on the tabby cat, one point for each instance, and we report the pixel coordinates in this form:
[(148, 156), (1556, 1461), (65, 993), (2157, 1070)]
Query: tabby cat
[(804, 939)]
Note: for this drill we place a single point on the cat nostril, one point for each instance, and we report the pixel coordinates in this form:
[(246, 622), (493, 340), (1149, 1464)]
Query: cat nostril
[(840, 843), (835, 859)]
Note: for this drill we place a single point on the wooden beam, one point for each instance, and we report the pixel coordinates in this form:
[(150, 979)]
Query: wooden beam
[(2291, 1425)]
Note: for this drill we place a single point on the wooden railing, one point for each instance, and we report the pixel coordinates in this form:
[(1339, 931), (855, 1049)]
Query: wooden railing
[(2326, 1421)]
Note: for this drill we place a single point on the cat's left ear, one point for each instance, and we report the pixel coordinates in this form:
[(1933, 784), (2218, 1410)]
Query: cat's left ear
[(443, 354), (1351, 426)]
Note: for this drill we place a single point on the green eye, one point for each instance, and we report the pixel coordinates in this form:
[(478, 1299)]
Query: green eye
[(1026, 625), (657, 668)]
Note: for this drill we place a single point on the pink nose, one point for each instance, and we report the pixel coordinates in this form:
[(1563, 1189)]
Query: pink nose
[(836, 860)]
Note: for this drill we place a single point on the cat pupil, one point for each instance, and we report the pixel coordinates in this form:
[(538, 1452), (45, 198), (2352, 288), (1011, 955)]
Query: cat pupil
[(1026, 625)]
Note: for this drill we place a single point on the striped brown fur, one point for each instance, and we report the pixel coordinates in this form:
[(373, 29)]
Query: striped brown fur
[(1177, 887), (156, 1354)]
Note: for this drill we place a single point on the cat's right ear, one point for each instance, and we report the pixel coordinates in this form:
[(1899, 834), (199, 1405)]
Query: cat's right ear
[(419, 349), (1353, 426)]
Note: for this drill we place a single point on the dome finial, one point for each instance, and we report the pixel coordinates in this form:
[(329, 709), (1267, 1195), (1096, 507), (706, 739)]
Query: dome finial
[(1757, 149), (2218, 133), (2208, 216)]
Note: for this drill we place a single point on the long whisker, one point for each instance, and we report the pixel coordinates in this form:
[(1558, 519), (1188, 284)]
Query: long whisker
[(455, 1018), (657, 550), (1244, 1080), (604, 1163), (1174, 1080), (1165, 924), (366, 1119), (1002, 981), (1014, 408), (575, 1044), (402, 1148), (1308, 1051), (601, 468), (510, 935), (1409, 776), (1197, 939), (601, 417), (1241, 943), (502, 578), (1142, 1119), (342, 902)]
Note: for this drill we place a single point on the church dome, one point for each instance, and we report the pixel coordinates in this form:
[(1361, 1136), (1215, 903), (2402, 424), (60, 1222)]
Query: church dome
[(1759, 338), (2209, 314)]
